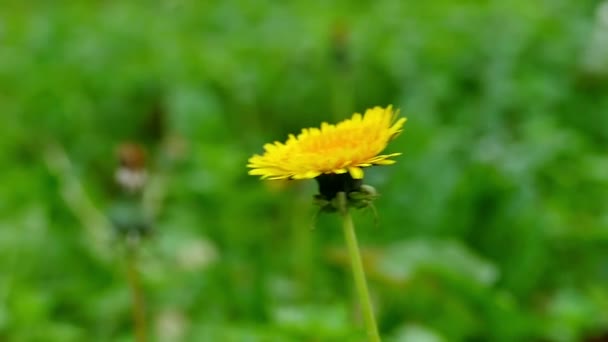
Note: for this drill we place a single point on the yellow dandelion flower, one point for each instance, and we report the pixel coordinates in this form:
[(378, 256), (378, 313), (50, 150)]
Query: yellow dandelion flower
[(346, 147)]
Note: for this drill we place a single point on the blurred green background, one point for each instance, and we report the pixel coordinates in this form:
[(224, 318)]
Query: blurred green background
[(492, 226)]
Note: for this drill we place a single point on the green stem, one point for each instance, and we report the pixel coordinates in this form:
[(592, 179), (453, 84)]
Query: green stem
[(139, 319), (358, 272)]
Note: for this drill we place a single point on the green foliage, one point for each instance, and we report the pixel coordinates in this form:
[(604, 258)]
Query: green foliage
[(493, 224)]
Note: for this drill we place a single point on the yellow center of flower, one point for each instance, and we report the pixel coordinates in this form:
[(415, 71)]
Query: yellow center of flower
[(345, 147)]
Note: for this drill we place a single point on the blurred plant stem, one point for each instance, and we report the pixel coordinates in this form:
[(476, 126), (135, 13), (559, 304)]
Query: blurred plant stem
[(76, 198), (342, 95), (342, 83), (358, 271), (139, 316), (302, 240)]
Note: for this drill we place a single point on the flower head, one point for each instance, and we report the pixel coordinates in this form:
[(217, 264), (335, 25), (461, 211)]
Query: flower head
[(343, 148)]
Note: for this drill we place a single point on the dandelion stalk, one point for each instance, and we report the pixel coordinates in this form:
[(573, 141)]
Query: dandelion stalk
[(139, 318), (358, 271)]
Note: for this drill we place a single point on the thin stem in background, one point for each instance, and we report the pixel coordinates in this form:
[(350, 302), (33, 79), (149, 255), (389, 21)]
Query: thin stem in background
[(75, 196), (358, 271), (139, 316)]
